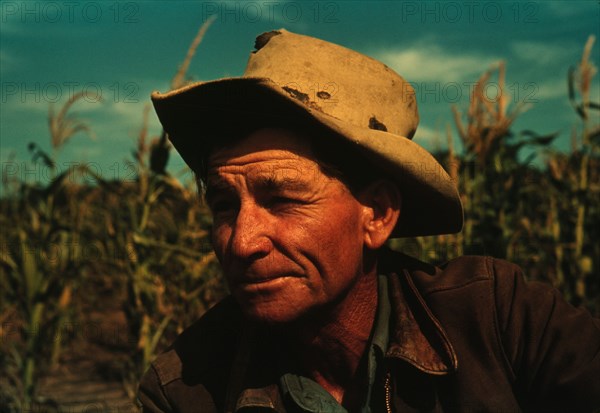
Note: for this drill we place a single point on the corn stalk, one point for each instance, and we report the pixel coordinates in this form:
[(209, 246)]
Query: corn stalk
[(580, 80)]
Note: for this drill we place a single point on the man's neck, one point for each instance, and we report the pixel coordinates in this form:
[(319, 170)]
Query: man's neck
[(331, 348)]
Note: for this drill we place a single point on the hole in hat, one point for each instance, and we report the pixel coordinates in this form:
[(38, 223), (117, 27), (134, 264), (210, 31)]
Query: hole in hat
[(375, 124), (263, 39)]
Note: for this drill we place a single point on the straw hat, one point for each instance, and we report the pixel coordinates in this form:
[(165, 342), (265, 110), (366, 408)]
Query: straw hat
[(294, 79)]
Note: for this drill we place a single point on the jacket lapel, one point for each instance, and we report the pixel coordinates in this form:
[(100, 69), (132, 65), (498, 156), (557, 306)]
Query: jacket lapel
[(415, 334)]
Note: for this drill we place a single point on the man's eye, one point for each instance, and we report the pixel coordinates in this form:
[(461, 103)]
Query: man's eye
[(282, 201), (223, 206)]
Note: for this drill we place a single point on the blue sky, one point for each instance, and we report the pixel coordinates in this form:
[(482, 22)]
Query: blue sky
[(124, 50)]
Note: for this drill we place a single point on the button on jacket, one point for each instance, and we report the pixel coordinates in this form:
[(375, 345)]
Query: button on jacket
[(468, 336)]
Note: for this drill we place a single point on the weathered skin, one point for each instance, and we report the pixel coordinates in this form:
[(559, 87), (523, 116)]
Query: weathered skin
[(294, 243)]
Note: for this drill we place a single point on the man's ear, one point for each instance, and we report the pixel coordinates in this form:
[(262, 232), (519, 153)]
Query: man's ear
[(382, 203)]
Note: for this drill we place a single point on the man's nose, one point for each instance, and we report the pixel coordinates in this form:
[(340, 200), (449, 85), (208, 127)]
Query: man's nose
[(250, 235)]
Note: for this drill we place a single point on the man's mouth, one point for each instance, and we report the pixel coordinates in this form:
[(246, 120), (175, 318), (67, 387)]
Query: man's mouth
[(260, 280), (263, 284)]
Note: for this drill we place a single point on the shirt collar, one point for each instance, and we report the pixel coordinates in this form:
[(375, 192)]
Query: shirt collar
[(311, 397), (380, 339)]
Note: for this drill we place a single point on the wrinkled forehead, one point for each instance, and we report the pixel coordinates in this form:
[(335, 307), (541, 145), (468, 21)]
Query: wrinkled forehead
[(265, 163), (265, 177)]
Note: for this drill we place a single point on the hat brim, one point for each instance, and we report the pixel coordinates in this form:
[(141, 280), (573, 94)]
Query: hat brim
[(191, 116)]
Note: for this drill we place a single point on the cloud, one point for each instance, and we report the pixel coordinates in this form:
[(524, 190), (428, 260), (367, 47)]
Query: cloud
[(38, 100), (553, 88), (542, 53), (430, 62), (131, 110), (131, 115), (557, 87), (88, 152), (429, 138)]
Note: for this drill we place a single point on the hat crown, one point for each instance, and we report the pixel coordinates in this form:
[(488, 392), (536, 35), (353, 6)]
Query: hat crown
[(337, 81)]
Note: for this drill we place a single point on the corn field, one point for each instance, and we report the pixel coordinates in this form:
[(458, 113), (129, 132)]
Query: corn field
[(74, 252)]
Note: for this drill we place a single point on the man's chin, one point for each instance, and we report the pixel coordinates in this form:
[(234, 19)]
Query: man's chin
[(271, 313)]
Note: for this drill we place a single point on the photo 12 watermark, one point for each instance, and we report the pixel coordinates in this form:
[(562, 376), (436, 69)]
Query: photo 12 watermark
[(455, 92), (30, 12), (53, 92), (76, 172), (271, 11), (470, 12)]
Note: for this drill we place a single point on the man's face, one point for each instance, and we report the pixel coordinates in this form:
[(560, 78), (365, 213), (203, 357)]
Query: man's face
[(289, 238)]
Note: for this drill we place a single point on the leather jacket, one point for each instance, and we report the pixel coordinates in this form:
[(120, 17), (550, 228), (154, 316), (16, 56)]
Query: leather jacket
[(468, 336)]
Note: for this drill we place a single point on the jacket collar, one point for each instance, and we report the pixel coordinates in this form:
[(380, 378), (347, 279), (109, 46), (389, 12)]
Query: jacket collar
[(416, 336)]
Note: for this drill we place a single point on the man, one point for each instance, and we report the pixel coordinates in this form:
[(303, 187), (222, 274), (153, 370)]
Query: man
[(308, 169)]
